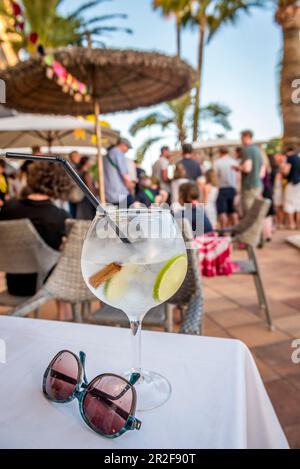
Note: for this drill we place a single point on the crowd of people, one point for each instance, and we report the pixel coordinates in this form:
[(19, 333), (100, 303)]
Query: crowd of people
[(218, 193), (227, 185)]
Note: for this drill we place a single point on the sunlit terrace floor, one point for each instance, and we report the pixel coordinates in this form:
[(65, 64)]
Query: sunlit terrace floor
[(231, 311)]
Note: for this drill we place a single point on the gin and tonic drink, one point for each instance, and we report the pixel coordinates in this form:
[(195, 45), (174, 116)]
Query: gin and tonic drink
[(136, 276)]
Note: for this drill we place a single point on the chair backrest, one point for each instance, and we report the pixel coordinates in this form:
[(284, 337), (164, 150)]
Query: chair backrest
[(249, 230), (23, 251), (66, 281), (193, 283)]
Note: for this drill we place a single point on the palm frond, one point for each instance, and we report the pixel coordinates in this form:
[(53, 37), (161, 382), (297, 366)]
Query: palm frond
[(104, 18), (229, 12), (86, 6), (169, 7), (56, 30), (218, 114), (98, 30), (144, 147), (155, 118)]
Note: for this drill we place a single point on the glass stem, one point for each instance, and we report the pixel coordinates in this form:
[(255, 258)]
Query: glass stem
[(136, 329)]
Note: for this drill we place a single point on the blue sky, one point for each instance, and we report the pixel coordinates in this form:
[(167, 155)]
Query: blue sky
[(240, 69)]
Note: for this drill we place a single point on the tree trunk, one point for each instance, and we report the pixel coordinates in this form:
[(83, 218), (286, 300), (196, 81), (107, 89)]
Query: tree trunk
[(202, 28), (181, 136), (289, 20), (178, 37)]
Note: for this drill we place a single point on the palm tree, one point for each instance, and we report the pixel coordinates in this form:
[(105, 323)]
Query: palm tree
[(288, 17), (57, 30), (175, 8), (176, 116), (208, 16)]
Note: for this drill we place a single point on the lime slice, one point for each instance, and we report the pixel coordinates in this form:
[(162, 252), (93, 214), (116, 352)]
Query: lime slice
[(117, 285), (170, 278)]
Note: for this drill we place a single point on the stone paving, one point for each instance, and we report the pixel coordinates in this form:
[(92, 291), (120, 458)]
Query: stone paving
[(231, 310)]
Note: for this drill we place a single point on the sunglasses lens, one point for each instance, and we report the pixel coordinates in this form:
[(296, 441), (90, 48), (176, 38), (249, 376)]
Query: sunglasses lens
[(107, 404), (62, 377)]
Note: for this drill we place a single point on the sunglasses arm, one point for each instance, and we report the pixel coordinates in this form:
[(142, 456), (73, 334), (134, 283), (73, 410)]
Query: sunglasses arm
[(134, 378), (82, 357)]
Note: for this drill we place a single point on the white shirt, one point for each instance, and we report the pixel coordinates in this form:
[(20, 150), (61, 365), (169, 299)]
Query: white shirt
[(227, 176), (158, 167), (175, 184)]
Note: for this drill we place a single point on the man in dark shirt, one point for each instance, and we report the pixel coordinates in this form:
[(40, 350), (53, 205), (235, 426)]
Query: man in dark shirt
[(192, 167), (293, 161), (291, 170)]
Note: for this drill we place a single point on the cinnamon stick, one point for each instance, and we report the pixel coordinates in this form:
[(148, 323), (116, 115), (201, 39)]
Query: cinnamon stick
[(104, 274)]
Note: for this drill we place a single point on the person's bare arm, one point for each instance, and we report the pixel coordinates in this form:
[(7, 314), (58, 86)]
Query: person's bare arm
[(206, 191), (246, 166), (286, 169), (164, 196), (90, 183), (164, 175), (127, 181)]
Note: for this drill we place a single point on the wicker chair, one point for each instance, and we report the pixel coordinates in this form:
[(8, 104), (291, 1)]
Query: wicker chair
[(189, 297), (248, 232), (23, 251), (65, 282)]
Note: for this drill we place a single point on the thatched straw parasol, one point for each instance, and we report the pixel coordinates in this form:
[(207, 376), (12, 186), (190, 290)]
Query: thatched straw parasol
[(121, 80)]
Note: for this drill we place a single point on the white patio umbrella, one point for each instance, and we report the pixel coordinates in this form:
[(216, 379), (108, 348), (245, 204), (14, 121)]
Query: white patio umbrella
[(27, 130), (56, 150)]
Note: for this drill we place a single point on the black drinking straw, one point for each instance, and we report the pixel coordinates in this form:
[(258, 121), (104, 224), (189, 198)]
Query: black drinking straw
[(77, 179)]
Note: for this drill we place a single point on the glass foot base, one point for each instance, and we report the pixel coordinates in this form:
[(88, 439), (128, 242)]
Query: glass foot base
[(153, 390)]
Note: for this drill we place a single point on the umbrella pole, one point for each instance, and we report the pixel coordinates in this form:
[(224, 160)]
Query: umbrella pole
[(49, 143), (99, 153)]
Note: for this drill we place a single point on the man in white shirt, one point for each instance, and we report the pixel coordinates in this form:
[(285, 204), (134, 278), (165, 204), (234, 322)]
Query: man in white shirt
[(118, 184), (227, 178), (160, 169)]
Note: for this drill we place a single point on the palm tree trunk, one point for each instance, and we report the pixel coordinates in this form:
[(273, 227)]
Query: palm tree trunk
[(178, 37), (181, 135), (202, 29), (289, 20)]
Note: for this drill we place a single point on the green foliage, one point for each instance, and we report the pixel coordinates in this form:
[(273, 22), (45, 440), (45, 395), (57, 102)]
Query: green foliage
[(207, 16), (218, 114), (274, 146), (155, 118), (176, 116), (169, 7), (213, 14), (142, 150), (55, 30)]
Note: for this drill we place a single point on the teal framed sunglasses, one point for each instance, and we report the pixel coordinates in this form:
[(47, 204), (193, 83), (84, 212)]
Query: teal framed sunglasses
[(107, 404)]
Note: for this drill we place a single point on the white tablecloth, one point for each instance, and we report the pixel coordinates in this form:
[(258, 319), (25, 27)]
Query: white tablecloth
[(218, 399)]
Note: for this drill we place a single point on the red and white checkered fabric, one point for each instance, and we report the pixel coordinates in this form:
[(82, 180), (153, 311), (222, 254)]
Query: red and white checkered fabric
[(214, 254)]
